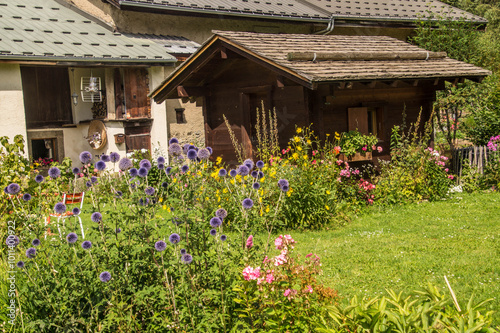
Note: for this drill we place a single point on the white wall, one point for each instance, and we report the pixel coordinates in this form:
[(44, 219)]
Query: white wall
[(12, 117)]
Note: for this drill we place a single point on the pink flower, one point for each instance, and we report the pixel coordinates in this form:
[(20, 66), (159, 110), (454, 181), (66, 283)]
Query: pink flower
[(446, 170), (249, 243), (309, 289), (374, 147), (309, 255), (279, 260), (278, 242), (249, 273), (339, 162), (450, 176), (269, 278), (287, 292), (266, 259), (364, 148), (379, 149)]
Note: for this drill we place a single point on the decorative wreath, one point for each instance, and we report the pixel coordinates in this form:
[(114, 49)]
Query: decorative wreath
[(97, 137)]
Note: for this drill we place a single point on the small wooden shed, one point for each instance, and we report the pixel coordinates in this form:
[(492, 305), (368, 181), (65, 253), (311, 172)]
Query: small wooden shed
[(337, 83)]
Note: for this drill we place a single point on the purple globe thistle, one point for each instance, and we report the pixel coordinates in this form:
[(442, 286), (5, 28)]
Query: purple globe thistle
[(145, 164), (247, 203), (93, 179), (75, 171), (88, 183), (192, 147), (167, 170), (187, 258), (261, 175), (76, 211), (192, 154), (20, 264), (203, 154), (114, 157), (6, 190), (105, 276), (215, 222), (285, 188), (133, 186), (35, 242), (85, 157), (173, 140), (222, 172), (118, 230), (259, 164), (38, 179), (185, 168), (60, 208), (13, 188), (160, 160), (143, 202), (161, 166), (248, 163), (210, 150), (185, 147), (233, 173), (213, 232), (12, 240), (100, 165), (72, 237), (149, 190), (164, 184), (255, 174), (160, 246), (174, 238), (26, 197), (118, 194), (96, 217), (256, 186), (243, 170), (221, 213), (105, 158), (223, 238), (86, 245), (174, 149), (31, 253), (176, 220), (183, 251), (133, 172), (125, 164), (143, 172), (283, 182)]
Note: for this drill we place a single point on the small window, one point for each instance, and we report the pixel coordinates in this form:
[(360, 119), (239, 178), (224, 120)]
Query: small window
[(179, 114), (366, 120)]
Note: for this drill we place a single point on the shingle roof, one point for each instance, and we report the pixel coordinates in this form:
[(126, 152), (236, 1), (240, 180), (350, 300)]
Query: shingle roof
[(276, 48), (312, 10), (46, 30), (274, 51), (172, 44)]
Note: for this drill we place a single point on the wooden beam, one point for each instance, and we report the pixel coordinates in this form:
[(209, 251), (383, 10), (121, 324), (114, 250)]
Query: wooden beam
[(223, 53), (415, 83), (183, 91), (280, 81), (365, 55), (341, 85), (436, 81), (394, 84), (349, 85)]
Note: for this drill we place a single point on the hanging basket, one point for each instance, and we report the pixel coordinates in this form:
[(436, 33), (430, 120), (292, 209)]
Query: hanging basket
[(97, 137)]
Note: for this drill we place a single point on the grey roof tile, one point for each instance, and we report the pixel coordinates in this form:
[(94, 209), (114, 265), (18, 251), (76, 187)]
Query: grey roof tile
[(44, 29)]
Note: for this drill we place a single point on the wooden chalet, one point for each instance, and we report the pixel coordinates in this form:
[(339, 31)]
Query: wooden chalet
[(337, 83)]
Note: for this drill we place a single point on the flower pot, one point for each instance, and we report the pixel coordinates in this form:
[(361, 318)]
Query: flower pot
[(356, 157)]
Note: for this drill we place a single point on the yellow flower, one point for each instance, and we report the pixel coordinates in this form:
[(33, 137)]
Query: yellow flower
[(288, 194), (295, 156), (175, 180), (305, 157), (260, 200), (308, 142), (299, 148), (327, 134), (327, 192), (267, 209), (296, 139), (299, 130), (160, 200), (169, 210), (164, 207), (224, 190), (218, 161), (327, 208), (232, 181)]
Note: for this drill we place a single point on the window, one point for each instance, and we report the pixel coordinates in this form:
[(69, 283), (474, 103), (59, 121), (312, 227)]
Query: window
[(47, 97), (131, 93), (366, 120)]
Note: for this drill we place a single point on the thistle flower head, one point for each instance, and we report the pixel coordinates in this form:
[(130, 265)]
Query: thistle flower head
[(114, 157), (174, 238), (86, 245), (125, 164), (183, 251), (247, 203), (185, 168), (145, 164), (20, 264), (249, 163), (256, 186), (203, 154), (133, 172), (233, 173), (75, 170), (187, 258), (35, 242), (213, 232), (13, 188), (254, 174), (72, 237), (221, 212), (160, 246), (243, 170), (192, 154), (76, 211), (26, 197), (100, 165), (96, 217), (215, 222), (93, 179), (259, 164), (173, 140), (31, 253), (105, 276), (223, 238), (161, 166), (38, 179), (174, 149), (143, 172), (12, 240), (60, 208), (105, 158), (222, 172), (149, 191), (167, 170), (85, 157)]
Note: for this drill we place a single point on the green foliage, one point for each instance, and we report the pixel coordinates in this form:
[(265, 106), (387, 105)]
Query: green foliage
[(353, 142), (424, 311), (415, 172), (14, 164)]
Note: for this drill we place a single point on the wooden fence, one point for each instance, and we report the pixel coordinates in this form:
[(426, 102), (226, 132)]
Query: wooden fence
[(477, 157)]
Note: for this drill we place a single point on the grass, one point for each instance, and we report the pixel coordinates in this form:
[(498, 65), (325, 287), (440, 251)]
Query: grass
[(403, 248)]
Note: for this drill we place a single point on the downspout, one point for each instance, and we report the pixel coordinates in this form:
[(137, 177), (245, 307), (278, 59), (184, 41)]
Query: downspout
[(329, 28)]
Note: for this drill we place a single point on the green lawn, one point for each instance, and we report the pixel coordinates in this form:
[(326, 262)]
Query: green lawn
[(403, 248)]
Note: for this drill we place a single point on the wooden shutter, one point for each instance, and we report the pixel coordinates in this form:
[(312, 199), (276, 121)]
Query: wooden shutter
[(136, 84), (47, 96), (358, 119), (137, 138)]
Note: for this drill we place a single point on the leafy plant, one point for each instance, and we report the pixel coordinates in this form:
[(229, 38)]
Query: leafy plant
[(353, 142)]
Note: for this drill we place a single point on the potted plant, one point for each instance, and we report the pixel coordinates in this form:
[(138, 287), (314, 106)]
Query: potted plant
[(356, 146)]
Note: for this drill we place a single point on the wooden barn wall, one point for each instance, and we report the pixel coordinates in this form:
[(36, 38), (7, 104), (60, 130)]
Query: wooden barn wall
[(331, 110)]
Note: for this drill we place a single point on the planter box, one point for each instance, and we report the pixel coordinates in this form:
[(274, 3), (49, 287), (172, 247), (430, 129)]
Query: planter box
[(356, 157)]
